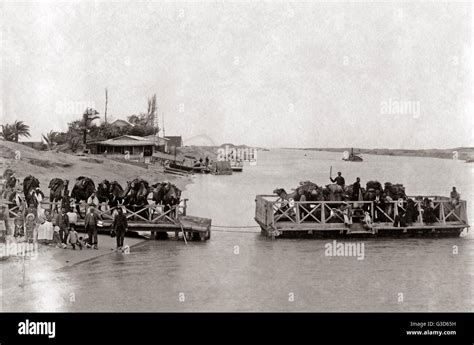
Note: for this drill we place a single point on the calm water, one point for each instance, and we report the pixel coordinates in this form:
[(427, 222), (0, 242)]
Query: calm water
[(264, 274)]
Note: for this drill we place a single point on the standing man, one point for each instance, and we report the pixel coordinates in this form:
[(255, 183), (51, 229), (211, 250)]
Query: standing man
[(339, 179), (62, 221), (356, 190), (90, 224), (455, 196), (120, 227)]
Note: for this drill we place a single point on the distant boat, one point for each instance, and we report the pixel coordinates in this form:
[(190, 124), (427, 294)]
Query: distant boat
[(183, 167), (351, 157)]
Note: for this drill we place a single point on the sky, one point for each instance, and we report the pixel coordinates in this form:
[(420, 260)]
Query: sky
[(283, 74)]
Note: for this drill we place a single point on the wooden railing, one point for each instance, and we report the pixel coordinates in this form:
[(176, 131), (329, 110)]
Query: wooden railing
[(151, 213), (271, 209)]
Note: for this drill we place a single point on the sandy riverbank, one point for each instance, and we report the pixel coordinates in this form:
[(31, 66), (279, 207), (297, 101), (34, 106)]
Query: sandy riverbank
[(46, 165)]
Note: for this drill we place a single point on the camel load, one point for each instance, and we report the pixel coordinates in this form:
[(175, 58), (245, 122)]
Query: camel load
[(310, 191), (137, 192)]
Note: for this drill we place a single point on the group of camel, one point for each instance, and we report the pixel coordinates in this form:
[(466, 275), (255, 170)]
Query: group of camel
[(309, 191), (136, 194)]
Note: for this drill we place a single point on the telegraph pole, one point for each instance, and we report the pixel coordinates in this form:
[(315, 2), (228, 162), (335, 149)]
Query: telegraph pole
[(163, 122), (106, 101)]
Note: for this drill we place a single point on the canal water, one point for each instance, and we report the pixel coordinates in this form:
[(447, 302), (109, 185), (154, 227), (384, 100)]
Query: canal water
[(240, 270)]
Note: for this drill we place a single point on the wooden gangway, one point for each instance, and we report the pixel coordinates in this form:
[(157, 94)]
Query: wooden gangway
[(321, 219)]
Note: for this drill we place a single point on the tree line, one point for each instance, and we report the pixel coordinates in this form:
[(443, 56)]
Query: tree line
[(87, 128)]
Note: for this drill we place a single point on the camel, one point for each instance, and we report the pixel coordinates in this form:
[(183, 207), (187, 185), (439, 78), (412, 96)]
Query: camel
[(116, 194), (31, 190), (348, 192), (136, 195), (58, 191), (309, 191), (136, 192), (82, 190), (395, 191), (103, 193), (281, 192), (166, 194)]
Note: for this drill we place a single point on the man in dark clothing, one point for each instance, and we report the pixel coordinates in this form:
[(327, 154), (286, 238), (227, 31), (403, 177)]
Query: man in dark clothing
[(62, 221), (90, 225), (120, 227), (411, 212), (455, 197), (339, 180), (356, 190)]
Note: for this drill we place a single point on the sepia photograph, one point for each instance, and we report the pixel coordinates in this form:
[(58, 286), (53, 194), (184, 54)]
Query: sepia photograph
[(237, 157)]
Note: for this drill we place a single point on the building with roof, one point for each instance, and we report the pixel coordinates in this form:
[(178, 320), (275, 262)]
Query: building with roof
[(121, 123), (135, 146)]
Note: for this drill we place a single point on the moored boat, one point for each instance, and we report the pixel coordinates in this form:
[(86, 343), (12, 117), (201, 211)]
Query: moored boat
[(183, 167)]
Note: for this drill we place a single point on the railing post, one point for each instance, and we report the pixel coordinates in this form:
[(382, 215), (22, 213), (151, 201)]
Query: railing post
[(273, 216), (323, 212), (297, 210), (463, 211), (441, 212)]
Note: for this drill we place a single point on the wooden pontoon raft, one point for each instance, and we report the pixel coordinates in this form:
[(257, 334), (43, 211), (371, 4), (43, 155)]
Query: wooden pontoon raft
[(319, 219), (155, 219)]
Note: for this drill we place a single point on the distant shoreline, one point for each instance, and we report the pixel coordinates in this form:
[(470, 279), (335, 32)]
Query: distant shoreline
[(463, 153)]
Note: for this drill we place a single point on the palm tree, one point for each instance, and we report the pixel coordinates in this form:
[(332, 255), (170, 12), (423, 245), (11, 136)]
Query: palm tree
[(14, 131), (7, 132), (151, 113), (20, 129), (87, 118), (50, 139)]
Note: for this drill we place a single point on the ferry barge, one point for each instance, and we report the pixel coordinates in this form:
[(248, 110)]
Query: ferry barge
[(278, 218)]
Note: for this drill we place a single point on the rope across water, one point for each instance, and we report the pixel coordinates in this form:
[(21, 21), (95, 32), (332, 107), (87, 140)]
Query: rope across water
[(226, 228)]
